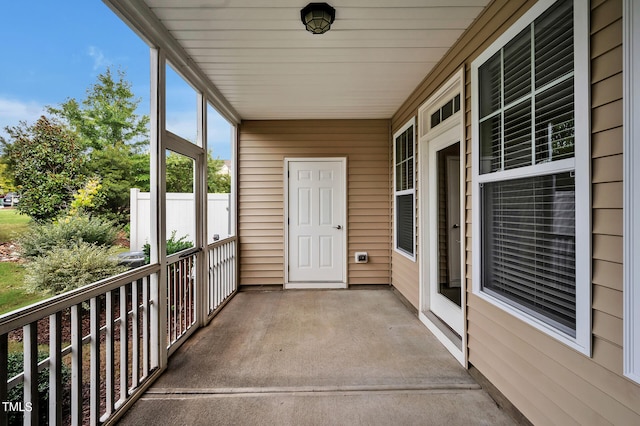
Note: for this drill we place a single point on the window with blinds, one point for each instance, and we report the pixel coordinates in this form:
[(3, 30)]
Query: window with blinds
[(528, 236), (404, 200), (527, 171)]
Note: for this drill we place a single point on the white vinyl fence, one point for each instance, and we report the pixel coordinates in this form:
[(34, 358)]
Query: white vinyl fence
[(180, 217)]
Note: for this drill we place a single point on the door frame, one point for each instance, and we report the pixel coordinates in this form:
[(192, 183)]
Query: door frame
[(456, 345), (315, 285), (448, 311)]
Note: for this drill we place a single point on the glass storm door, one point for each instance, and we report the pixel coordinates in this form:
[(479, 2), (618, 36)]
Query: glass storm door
[(445, 269)]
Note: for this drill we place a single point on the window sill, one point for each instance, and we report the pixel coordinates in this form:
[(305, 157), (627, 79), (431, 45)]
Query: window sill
[(411, 257), (573, 343)]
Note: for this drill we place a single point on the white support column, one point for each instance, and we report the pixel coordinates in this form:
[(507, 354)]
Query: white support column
[(202, 217), (631, 188), (158, 205)]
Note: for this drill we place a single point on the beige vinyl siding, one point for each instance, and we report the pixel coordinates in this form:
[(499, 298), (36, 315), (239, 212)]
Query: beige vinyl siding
[(548, 381), (262, 148), (405, 273), (405, 277)]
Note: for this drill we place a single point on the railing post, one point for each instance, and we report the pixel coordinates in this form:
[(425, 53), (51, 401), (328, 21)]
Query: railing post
[(109, 342), (55, 369), (30, 340), (76, 364), (124, 345), (94, 399)]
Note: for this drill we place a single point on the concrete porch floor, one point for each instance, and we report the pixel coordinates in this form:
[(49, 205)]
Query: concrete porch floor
[(343, 357)]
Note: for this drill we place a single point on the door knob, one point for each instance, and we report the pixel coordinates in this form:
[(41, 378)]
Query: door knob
[(456, 226), (338, 227)]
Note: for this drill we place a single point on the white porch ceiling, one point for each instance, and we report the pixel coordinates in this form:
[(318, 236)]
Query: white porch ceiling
[(264, 63)]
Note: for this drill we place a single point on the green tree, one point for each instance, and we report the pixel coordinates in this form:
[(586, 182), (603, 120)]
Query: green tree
[(217, 182), (6, 179), (107, 116), (47, 164), (180, 174), (113, 136)]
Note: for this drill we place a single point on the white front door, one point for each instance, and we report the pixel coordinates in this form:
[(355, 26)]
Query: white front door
[(316, 223)]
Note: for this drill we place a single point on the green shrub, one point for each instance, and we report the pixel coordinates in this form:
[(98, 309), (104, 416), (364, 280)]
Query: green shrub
[(67, 268), (173, 246), (67, 232), (15, 365)]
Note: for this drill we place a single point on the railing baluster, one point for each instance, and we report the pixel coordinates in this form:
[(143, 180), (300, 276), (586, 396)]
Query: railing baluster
[(4, 362), (174, 307), (55, 369), (222, 274), (135, 339), (76, 365), (30, 342), (225, 271), (187, 294), (182, 280), (192, 290), (178, 311), (94, 401), (145, 327), (124, 345), (219, 280), (216, 272), (109, 354)]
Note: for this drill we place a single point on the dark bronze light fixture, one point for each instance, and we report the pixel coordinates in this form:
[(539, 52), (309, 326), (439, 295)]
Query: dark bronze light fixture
[(318, 17)]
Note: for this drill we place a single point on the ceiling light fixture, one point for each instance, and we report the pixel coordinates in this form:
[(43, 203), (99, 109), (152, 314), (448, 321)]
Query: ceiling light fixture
[(318, 17)]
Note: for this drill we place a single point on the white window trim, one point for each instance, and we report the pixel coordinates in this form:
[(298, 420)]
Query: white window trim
[(412, 191), (581, 163), (631, 149)]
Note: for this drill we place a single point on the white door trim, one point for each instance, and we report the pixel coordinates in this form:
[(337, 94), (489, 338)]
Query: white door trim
[(453, 86), (315, 285), (444, 308)]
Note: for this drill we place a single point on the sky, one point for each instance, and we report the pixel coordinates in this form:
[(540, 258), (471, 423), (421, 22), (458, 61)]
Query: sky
[(54, 50)]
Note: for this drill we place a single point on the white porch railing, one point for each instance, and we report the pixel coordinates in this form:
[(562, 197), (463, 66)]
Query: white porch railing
[(181, 297), (222, 273), (104, 339), (109, 321)]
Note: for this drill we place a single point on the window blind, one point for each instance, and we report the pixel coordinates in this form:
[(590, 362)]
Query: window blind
[(405, 214), (404, 160), (529, 245), (543, 101), (404, 191)]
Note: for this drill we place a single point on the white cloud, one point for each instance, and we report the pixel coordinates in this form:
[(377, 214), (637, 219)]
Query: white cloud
[(12, 111), (99, 60)]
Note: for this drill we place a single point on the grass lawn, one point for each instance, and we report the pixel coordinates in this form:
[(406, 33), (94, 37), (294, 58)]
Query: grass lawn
[(12, 293), (12, 224)]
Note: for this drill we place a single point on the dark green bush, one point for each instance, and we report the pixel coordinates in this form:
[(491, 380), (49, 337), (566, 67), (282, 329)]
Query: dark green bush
[(67, 268), (68, 231), (173, 246), (15, 366)]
